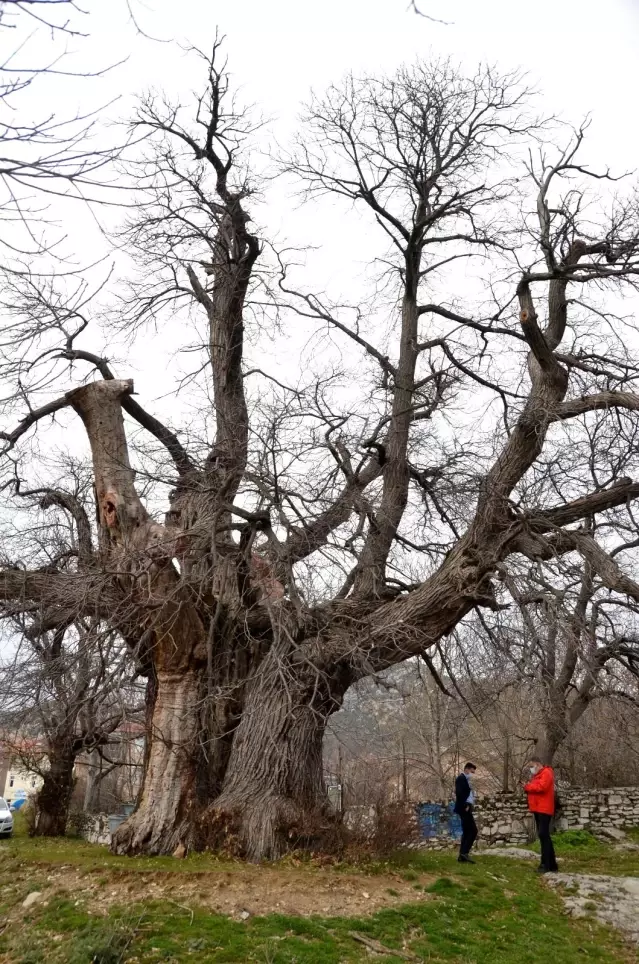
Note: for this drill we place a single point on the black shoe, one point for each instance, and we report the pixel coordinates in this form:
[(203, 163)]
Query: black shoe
[(463, 859)]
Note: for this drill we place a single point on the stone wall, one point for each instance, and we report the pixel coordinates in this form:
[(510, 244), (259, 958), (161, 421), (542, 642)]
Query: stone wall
[(501, 819), (504, 818), (96, 828), (598, 810)]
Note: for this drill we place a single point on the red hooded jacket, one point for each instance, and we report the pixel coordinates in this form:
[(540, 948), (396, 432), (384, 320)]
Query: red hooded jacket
[(541, 792)]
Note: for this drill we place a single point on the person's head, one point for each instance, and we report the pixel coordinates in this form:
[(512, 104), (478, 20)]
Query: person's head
[(469, 769), (535, 764)]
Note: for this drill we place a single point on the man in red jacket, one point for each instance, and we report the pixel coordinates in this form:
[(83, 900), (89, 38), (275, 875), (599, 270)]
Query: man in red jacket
[(541, 802)]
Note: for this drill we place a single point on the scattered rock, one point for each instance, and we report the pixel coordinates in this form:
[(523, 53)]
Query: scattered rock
[(32, 898), (516, 852), (244, 915), (613, 900), (180, 852), (631, 885), (612, 833), (579, 906)]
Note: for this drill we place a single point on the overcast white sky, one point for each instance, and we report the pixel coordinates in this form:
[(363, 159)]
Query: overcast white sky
[(581, 54)]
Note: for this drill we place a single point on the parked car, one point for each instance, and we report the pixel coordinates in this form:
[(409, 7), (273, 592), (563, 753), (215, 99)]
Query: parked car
[(6, 819)]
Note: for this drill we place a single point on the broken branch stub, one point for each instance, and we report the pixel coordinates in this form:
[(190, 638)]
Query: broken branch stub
[(123, 518)]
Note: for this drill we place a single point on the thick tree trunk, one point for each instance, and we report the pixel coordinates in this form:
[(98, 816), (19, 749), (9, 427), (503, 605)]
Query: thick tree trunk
[(94, 779), (165, 813), (551, 736), (556, 728), (54, 798), (274, 789), (141, 552)]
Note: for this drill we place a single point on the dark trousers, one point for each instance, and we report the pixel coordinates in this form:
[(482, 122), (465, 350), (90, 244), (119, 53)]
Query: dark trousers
[(548, 859), (469, 831)]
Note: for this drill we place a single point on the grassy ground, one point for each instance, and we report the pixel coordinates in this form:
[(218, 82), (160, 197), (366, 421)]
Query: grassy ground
[(495, 912)]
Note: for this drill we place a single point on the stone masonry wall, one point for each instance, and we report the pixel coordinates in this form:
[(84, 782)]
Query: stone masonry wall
[(501, 819), (504, 818)]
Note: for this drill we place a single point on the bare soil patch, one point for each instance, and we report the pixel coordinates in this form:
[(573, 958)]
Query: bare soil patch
[(304, 892)]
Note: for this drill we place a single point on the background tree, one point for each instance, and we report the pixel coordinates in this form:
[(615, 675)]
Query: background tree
[(68, 683), (397, 738), (571, 640)]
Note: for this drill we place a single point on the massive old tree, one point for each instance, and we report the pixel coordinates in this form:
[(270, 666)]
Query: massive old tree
[(322, 525)]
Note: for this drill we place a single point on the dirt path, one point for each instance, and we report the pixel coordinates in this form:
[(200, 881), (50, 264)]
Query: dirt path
[(239, 892)]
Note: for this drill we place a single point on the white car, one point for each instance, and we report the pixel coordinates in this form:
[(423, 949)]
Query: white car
[(6, 819)]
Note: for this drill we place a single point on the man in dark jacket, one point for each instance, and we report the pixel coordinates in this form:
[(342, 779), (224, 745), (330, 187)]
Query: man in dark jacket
[(464, 803)]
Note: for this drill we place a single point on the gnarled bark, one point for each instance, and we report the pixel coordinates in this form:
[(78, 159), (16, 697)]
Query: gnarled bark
[(167, 621), (274, 788), (54, 797), (163, 817)]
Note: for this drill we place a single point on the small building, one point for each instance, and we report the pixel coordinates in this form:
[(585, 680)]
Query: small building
[(20, 783), (19, 779)]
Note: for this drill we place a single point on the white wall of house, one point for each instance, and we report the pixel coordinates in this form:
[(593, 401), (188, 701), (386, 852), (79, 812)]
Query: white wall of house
[(19, 783)]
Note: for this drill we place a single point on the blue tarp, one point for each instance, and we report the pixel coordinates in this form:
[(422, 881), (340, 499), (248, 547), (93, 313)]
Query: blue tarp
[(429, 819), (454, 823), (437, 820)]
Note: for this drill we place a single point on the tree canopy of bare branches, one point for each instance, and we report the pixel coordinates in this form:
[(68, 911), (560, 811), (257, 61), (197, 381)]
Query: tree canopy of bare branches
[(320, 528)]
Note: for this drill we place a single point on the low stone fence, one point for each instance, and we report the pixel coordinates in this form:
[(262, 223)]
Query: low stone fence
[(599, 810), (96, 828), (504, 817)]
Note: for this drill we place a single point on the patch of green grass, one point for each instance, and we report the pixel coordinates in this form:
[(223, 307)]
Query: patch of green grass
[(68, 850), (442, 886), (64, 932), (494, 912), (474, 922), (579, 852), (579, 839), (594, 856)]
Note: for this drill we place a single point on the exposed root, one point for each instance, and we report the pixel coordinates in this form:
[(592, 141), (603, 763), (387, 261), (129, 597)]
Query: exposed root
[(142, 834), (269, 828)]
